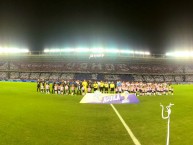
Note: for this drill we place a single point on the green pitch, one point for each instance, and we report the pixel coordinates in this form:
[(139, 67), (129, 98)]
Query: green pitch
[(31, 118)]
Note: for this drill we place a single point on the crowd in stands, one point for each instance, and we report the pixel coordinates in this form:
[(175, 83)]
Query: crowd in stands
[(34, 76), (169, 78), (14, 75), (179, 78), (95, 76), (82, 87), (188, 69), (3, 65), (96, 71), (189, 78), (24, 75), (86, 67), (3, 75), (159, 79)]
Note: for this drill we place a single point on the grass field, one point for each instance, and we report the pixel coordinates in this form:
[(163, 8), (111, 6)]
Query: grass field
[(31, 118)]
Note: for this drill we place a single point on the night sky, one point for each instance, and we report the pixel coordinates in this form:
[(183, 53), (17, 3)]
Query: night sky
[(140, 25)]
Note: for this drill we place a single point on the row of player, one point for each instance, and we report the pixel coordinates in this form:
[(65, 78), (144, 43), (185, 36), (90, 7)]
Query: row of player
[(82, 87)]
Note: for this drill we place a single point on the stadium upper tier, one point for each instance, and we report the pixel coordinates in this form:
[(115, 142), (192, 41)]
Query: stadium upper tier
[(95, 67)]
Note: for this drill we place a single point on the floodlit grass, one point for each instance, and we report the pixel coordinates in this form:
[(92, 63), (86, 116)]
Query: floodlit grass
[(31, 118)]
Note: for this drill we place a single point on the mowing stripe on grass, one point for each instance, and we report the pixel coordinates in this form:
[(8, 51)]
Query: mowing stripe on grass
[(135, 140)]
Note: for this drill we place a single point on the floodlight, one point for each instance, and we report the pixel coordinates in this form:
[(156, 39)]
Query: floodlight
[(58, 50), (96, 50), (147, 53), (112, 50), (67, 50), (46, 50), (13, 50), (55, 50), (142, 52), (127, 51), (180, 54), (82, 50), (139, 52)]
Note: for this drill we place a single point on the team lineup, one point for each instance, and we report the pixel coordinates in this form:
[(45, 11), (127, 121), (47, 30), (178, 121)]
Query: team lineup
[(82, 87)]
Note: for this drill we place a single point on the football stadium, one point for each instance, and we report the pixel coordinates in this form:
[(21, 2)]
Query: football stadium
[(96, 72), (34, 108)]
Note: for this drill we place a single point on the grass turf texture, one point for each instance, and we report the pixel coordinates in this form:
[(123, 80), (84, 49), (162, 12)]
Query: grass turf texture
[(31, 118)]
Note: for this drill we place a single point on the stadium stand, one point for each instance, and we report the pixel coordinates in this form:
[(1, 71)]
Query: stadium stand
[(188, 68), (94, 67), (3, 75), (45, 76), (33, 67), (148, 78), (24, 76), (158, 78), (14, 75), (3, 65), (138, 78), (68, 76), (179, 78), (55, 76), (169, 78), (189, 78), (34, 76)]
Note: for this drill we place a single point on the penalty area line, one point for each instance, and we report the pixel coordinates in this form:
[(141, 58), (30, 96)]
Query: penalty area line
[(135, 140)]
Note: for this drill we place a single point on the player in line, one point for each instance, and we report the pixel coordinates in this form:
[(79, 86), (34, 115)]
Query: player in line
[(81, 88)]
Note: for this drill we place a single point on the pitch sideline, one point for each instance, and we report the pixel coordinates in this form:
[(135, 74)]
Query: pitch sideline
[(135, 140)]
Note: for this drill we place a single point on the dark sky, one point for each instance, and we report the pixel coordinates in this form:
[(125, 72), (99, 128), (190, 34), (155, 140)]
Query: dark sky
[(145, 25)]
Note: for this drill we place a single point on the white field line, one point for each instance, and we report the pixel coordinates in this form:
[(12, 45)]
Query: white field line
[(135, 140)]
